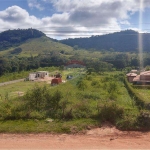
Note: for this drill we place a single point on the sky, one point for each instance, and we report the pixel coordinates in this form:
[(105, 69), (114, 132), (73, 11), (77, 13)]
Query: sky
[(62, 19)]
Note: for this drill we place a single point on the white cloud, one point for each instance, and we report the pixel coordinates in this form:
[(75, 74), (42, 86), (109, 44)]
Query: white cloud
[(16, 17), (74, 17), (125, 22), (35, 4)]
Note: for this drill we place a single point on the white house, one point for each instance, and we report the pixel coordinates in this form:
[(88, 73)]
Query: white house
[(36, 75)]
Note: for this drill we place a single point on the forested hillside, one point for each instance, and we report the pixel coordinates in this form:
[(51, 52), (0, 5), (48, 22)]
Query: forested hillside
[(11, 38), (28, 49), (35, 52), (124, 41)]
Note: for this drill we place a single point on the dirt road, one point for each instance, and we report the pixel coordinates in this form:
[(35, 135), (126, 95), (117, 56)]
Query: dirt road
[(10, 82), (100, 138)]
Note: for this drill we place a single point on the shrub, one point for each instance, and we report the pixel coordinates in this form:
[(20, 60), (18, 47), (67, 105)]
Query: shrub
[(138, 99), (89, 77), (110, 111), (144, 119), (37, 115), (96, 84), (82, 85), (37, 103), (127, 123), (81, 110)]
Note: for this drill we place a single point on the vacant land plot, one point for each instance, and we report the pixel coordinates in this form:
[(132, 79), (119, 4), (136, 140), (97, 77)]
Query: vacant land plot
[(98, 98)]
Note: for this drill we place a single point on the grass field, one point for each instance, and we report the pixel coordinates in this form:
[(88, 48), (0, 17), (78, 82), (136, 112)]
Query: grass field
[(145, 93), (18, 89), (42, 45), (24, 74), (41, 126), (85, 100)]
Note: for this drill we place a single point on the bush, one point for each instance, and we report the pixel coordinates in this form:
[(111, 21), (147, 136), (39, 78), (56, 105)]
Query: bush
[(13, 109), (37, 103), (127, 123), (144, 119), (138, 99), (37, 115), (96, 84), (42, 99), (82, 85), (110, 111), (81, 110)]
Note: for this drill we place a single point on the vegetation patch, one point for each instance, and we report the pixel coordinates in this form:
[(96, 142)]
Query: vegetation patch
[(99, 99)]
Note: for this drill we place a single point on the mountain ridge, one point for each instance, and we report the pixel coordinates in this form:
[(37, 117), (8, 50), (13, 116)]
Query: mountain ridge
[(124, 41)]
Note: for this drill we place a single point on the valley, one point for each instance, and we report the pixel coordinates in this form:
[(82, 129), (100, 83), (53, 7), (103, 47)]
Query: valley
[(93, 96)]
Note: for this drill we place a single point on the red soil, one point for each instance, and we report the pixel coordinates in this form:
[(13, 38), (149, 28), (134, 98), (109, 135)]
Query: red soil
[(99, 138)]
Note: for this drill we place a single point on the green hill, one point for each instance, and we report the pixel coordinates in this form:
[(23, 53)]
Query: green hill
[(12, 38), (36, 46), (30, 51), (124, 41)]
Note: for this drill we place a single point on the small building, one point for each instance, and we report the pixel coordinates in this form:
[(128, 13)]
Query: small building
[(143, 78), (32, 76), (75, 64), (42, 74), (36, 75), (131, 76), (145, 75)]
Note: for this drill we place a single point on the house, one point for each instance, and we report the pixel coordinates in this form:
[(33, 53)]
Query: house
[(38, 75), (75, 64), (32, 76), (131, 76), (42, 74), (143, 78)]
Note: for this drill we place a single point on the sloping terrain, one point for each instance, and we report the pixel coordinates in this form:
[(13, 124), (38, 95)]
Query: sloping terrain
[(41, 45), (124, 41), (12, 38)]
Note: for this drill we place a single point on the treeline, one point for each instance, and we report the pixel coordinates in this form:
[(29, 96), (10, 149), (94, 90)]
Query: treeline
[(11, 38), (124, 41), (17, 64), (106, 63), (100, 63)]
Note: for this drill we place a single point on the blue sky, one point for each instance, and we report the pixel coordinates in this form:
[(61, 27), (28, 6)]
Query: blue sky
[(61, 19)]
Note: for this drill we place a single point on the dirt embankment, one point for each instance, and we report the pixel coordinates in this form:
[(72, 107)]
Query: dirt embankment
[(99, 138)]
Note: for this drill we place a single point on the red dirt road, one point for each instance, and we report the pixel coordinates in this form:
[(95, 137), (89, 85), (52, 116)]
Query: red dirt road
[(100, 138)]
